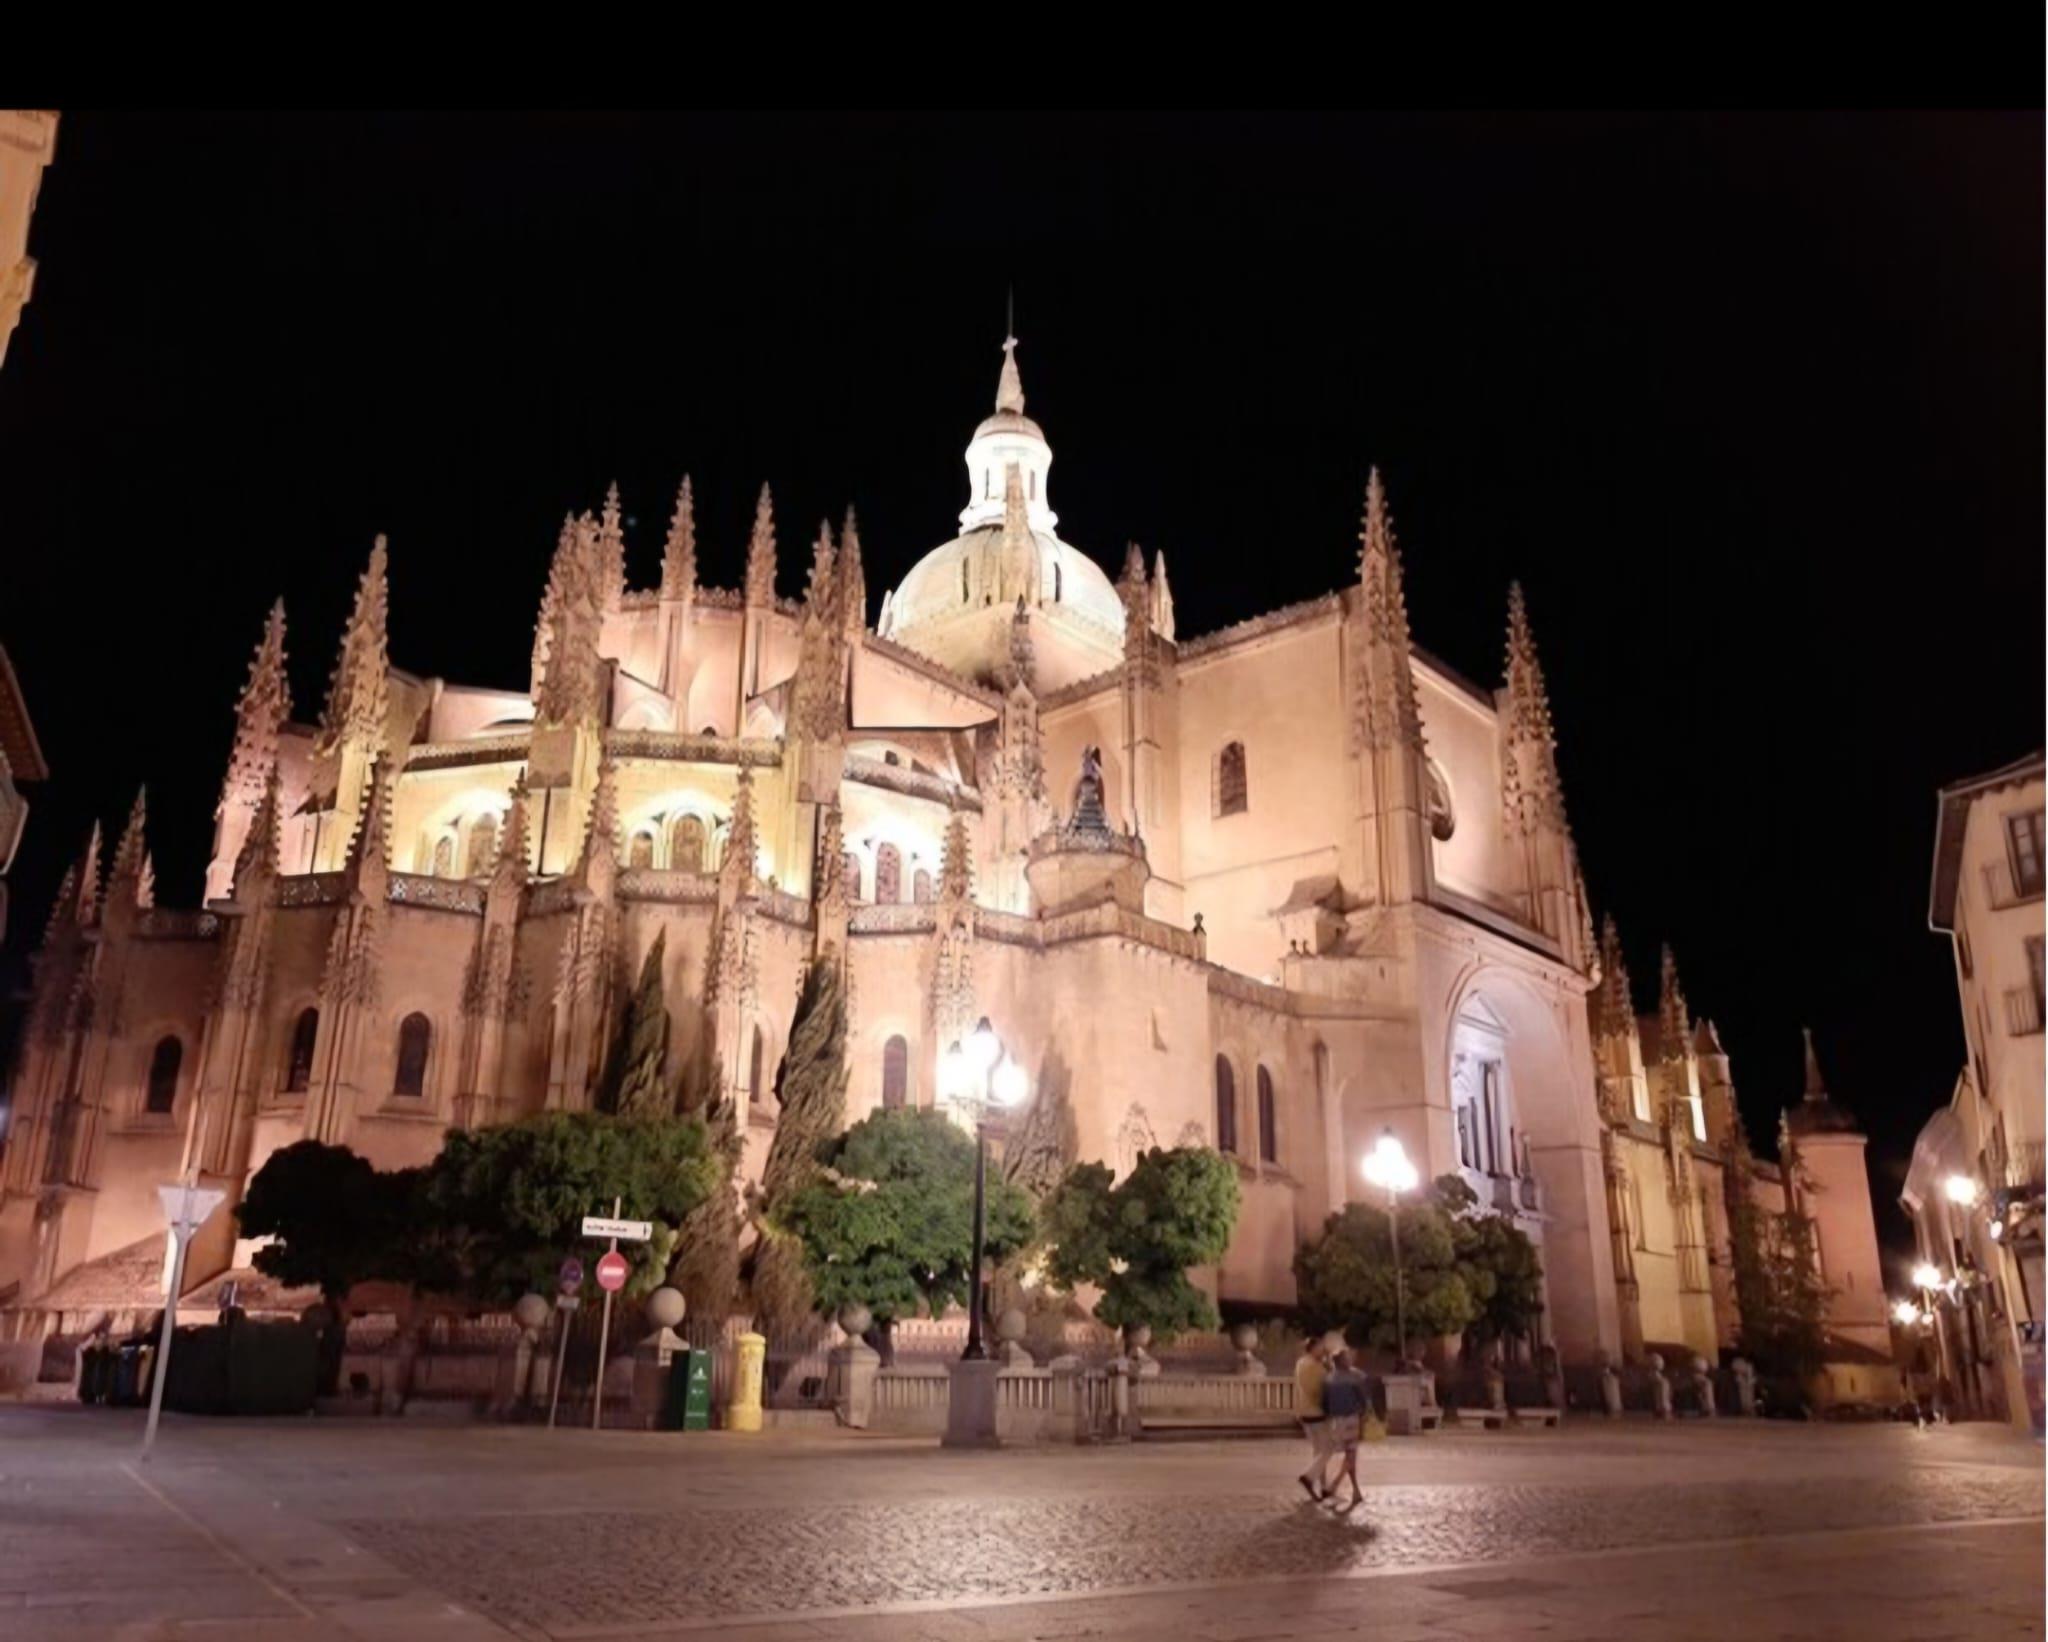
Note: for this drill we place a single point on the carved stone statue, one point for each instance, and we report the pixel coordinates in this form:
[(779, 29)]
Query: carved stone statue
[(1610, 1388), (1089, 814), (1660, 1386), (1745, 1385)]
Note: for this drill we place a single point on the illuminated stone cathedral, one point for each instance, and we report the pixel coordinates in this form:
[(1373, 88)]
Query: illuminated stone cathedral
[(1329, 888)]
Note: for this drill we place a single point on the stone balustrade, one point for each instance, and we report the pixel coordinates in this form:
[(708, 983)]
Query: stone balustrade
[(876, 772), (464, 895), (177, 924), (667, 884), (902, 919), (312, 889), (506, 747), (688, 748)]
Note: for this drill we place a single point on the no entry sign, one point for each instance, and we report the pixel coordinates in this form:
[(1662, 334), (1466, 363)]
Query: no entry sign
[(611, 1272)]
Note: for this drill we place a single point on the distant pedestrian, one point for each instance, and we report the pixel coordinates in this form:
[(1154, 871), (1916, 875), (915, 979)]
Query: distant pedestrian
[(1347, 1399), (1309, 1374)]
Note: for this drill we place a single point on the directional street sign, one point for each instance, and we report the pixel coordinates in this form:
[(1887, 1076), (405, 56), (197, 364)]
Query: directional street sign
[(186, 1207), (626, 1231), (611, 1272)]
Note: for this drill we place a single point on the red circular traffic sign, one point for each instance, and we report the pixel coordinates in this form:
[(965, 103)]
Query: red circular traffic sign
[(611, 1272)]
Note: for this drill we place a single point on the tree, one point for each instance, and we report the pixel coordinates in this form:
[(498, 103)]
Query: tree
[(891, 1225), (1137, 1240), (513, 1197), (334, 1222), (707, 1268), (636, 1080), (1504, 1273), (1346, 1279), (812, 1111), (1780, 1299)]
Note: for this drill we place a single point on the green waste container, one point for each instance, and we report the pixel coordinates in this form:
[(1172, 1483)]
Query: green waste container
[(689, 1392)]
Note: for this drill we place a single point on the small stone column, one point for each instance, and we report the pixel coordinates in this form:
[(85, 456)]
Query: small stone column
[(1246, 1339), (1745, 1386), (1610, 1388), (1703, 1386), (971, 1404), (531, 1314), (1013, 1353), (653, 1357), (853, 1366), (1660, 1386), (1144, 1366)]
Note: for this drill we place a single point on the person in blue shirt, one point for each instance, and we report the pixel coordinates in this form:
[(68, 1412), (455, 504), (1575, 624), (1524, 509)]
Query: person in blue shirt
[(1347, 1399)]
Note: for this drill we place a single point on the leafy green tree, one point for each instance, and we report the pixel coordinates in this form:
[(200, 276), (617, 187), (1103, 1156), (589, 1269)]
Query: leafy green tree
[(1137, 1240), (1780, 1298), (1502, 1270), (334, 1221), (1345, 1279), (636, 1082), (891, 1227), (511, 1199), (707, 1268), (811, 1113)]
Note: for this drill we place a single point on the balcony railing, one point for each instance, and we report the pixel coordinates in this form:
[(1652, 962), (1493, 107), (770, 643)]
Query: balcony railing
[(2005, 888), (2023, 1166), (2022, 1011)]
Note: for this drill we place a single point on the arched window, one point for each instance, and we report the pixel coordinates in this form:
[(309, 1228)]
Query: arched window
[(1226, 1106), (640, 852), (921, 887), (163, 1075), (1443, 820), (415, 1035), (895, 1073), (444, 856), (483, 845), (1230, 780), (1269, 1120), (966, 596), (757, 1092), (1057, 580), (852, 870), (888, 875), (686, 845), (709, 729), (298, 1065)]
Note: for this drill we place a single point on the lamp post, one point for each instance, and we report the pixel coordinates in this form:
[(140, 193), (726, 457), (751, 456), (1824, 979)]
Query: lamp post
[(1928, 1280), (1387, 1165), (979, 1074)]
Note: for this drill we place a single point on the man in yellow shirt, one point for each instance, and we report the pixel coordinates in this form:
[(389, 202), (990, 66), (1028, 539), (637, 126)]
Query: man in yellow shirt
[(1309, 1375)]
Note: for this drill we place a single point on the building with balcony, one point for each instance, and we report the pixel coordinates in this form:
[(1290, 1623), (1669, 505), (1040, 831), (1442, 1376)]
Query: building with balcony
[(1975, 1188)]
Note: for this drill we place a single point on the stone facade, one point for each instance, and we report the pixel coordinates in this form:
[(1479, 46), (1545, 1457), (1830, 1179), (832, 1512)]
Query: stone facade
[(1315, 886), (28, 143)]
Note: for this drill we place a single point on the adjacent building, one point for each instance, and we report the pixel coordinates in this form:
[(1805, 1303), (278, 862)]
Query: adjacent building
[(28, 143), (21, 759), (1273, 889), (1975, 1186)]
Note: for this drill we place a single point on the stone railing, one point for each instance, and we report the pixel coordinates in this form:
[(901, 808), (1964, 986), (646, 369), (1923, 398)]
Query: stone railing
[(685, 747), (875, 772), (1087, 839), (1226, 1398), (177, 924), (667, 884), (312, 889), (905, 919), (1016, 929), (782, 907), (508, 746), (444, 894), (721, 598), (1228, 983), (1111, 919)]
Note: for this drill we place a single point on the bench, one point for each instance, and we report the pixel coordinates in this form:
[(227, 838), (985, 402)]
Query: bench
[(1491, 1419), (1537, 1416)]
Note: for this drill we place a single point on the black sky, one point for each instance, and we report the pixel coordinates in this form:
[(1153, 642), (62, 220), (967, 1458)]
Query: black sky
[(1752, 406)]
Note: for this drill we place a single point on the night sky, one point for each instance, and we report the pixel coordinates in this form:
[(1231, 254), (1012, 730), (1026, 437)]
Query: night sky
[(1752, 406)]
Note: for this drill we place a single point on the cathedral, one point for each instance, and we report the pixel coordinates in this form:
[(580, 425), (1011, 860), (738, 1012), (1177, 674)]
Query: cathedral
[(1275, 889)]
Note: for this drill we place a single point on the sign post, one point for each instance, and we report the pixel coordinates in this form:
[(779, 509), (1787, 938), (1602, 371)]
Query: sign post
[(186, 1206), (567, 1282), (611, 1277)]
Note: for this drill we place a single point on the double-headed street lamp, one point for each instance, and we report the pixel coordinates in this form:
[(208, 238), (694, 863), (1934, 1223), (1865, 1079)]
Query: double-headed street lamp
[(979, 1074), (1387, 1165)]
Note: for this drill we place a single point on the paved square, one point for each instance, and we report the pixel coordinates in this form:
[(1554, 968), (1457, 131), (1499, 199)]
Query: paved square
[(320, 1529)]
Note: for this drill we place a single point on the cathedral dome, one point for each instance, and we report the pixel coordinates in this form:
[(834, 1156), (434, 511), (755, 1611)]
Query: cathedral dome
[(958, 602)]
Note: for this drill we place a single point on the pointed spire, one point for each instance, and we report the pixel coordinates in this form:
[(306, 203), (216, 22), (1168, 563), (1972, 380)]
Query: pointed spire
[(263, 706), (819, 590), (741, 861), (679, 552), (761, 552), (601, 830), (89, 878), (1022, 658), (1010, 386), (510, 868), (611, 551), (1674, 1024), (259, 853), (569, 670), (1017, 564), (1816, 1086), (372, 842), (829, 888), (1535, 794), (1390, 713), (358, 692), (853, 579), (64, 907), (145, 883), (1617, 1004), (956, 861), (1706, 1039), (130, 853), (1162, 597)]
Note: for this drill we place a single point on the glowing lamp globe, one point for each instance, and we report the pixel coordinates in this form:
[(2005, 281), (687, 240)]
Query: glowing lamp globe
[(1926, 1276), (1387, 1166), (953, 1073), (983, 1047), (1010, 1083), (1960, 1189), (1905, 1313)]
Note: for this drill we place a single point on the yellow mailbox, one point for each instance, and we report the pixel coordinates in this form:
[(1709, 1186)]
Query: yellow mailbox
[(743, 1413)]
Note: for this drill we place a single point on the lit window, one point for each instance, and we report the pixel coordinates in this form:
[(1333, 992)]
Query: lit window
[(888, 875), (163, 1075), (483, 845), (640, 853), (851, 868), (686, 845), (298, 1066), (1226, 1106), (921, 887), (1230, 780), (2034, 971), (444, 856), (895, 1073), (415, 1034)]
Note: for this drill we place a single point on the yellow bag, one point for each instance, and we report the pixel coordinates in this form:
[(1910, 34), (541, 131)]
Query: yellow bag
[(1372, 1429)]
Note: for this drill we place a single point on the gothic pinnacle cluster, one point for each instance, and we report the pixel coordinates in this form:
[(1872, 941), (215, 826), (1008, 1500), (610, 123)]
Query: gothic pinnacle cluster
[(358, 693), (1390, 714)]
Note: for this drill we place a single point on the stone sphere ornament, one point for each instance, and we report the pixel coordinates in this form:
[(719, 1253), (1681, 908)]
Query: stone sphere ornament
[(1138, 1338), (531, 1310), (855, 1319), (665, 1307), (1244, 1337), (1011, 1325)]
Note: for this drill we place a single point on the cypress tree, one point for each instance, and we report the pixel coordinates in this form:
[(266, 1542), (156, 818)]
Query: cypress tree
[(636, 1085), (812, 1112)]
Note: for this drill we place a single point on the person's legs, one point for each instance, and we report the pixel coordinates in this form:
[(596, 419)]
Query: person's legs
[(1318, 1459)]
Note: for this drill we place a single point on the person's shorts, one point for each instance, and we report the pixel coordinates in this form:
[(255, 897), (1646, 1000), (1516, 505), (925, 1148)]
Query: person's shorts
[(1343, 1429), (1321, 1440)]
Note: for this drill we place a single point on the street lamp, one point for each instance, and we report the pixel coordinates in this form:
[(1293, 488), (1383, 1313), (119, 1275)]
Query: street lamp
[(978, 1073), (1961, 1189), (1388, 1166), (1905, 1313)]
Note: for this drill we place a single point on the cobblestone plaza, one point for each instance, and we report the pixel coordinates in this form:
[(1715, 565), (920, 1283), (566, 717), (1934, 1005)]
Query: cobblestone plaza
[(397, 1529)]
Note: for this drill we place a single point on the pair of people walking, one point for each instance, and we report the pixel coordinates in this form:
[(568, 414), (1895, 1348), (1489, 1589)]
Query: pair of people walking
[(1333, 1400)]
